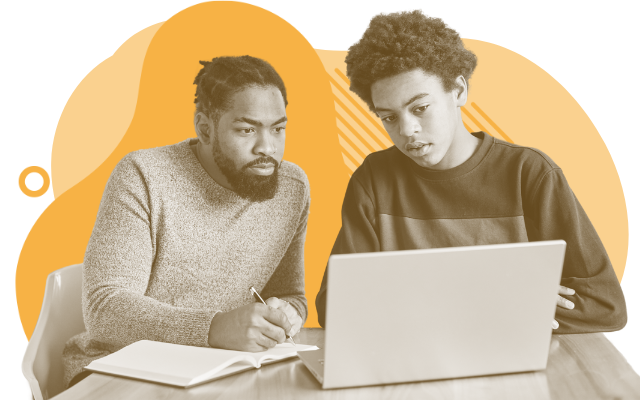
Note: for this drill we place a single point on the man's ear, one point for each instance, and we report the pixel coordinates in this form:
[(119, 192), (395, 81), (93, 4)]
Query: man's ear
[(460, 91), (203, 126)]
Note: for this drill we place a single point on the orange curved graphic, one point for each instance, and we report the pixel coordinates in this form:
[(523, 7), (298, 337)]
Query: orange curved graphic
[(35, 170)]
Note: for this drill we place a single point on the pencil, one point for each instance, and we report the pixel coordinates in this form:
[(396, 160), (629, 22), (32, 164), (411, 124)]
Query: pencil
[(253, 291)]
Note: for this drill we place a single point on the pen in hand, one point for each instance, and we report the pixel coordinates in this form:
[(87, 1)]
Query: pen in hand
[(255, 292)]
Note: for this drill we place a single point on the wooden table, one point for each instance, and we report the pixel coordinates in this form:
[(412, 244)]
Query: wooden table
[(581, 367)]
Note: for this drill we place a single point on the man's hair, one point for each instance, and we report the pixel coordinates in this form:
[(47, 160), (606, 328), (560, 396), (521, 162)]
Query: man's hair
[(404, 41), (223, 76)]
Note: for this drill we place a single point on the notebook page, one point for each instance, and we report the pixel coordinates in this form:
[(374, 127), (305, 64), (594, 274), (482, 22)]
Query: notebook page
[(280, 352), (167, 363), (277, 353), (185, 365)]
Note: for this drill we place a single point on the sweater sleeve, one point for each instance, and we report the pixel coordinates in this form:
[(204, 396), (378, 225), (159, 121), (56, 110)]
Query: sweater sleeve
[(118, 266), (287, 281), (358, 233), (599, 302)]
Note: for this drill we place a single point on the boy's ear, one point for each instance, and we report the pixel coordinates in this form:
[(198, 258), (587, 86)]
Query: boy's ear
[(202, 124), (460, 91)]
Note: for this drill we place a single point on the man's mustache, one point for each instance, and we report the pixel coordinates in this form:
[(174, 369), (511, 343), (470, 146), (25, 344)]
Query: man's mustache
[(261, 160)]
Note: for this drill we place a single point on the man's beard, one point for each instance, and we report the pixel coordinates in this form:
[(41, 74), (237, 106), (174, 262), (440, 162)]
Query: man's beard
[(245, 184)]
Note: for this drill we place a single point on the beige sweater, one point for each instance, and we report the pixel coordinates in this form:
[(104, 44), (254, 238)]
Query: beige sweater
[(171, 247)]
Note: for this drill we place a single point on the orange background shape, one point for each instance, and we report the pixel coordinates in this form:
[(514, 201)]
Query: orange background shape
[(164, 115), (583, 117)]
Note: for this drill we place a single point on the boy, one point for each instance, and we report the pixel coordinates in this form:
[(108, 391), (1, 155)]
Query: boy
[(441, 186)]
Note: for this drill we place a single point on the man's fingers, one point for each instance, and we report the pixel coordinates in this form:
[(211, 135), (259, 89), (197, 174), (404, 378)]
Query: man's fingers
[(265, 341), (278, 318), (274, 302), (566, 291), (297, 324), (555, 324), (564, 303), (274, 325)]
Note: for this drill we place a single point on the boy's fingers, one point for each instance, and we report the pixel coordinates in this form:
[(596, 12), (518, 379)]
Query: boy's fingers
[(566, 291), (564, 303)]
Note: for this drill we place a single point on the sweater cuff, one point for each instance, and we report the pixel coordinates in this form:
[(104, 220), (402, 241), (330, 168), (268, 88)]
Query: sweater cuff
[(299, 304), (197, 325)]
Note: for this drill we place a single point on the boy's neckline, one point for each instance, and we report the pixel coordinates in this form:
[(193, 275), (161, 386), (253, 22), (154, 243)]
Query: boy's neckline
[(465, 167)]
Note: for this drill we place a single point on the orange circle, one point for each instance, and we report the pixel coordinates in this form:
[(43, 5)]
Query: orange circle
[(45, 181)]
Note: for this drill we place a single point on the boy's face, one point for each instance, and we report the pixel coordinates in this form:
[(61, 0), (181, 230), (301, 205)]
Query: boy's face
[(422, 119)]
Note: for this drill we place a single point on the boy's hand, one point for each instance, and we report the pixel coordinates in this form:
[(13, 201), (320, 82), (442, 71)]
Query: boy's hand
[(294, 318), (254, 327), (562, 302)]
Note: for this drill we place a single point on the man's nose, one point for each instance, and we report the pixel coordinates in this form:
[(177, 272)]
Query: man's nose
[(265, 144)]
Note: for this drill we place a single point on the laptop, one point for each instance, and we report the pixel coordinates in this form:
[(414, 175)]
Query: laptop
[(404, 316)]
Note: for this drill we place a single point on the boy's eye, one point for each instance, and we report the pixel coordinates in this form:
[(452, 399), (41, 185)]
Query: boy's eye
[(247, 131), (421, 108), (280, 129), (390, 118)]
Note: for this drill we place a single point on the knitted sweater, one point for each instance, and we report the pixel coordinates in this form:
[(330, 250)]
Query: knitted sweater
[(504, 193), (171, 247)]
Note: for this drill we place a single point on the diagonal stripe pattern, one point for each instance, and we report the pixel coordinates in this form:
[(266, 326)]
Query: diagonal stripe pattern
[(360, 133)]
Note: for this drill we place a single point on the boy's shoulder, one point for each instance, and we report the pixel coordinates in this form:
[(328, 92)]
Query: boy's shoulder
[(379, 163), (528, 156)]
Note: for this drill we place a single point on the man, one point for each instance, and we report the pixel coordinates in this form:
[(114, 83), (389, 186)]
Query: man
[(184, 231), (441, 186)]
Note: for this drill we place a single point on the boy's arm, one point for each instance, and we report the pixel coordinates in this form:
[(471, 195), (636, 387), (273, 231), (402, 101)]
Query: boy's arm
[(357, 235), (599, 302)]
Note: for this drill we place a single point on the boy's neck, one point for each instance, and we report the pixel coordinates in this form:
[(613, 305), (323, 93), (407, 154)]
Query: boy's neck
[(463, 146)]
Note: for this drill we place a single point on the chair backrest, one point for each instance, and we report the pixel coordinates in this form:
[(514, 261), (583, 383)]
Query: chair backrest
[(60, 319)]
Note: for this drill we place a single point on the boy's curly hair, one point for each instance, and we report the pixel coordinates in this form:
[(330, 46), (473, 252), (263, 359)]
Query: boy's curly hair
[(400, 42)]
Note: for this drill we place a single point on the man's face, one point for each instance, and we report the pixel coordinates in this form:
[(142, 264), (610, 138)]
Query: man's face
[(420, 116), (248, 143)]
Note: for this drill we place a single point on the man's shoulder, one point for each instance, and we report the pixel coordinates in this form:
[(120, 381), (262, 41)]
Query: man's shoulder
[(157, 155), (292, 173)]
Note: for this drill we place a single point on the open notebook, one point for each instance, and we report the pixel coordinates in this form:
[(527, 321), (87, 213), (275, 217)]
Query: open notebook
[(185, 366)]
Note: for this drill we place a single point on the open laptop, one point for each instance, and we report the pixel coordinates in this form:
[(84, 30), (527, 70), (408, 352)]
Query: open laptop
[(403, 316)]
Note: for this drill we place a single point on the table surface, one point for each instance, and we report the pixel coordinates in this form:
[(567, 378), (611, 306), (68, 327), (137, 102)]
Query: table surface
[(585, 366)]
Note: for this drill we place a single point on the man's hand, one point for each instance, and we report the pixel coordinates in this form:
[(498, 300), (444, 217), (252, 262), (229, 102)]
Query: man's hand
[(562, 302), (254, 327), (294, 318)]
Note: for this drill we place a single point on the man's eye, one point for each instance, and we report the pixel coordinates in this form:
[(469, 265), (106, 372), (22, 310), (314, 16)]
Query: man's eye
[(390, 118), (247, 131), (280, 129), (421, 108)]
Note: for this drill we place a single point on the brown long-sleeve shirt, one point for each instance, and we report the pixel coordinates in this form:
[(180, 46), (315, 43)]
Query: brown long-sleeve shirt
[(504, 193)]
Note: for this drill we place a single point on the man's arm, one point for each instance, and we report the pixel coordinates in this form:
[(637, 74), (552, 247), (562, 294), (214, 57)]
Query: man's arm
[(599, 302), (118, 267), (357, 235), (287, 281)]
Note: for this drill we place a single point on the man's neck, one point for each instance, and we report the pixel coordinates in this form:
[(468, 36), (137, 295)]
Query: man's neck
[(209, 165)]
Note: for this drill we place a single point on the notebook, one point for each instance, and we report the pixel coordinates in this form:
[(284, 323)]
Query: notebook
[(186, 366)]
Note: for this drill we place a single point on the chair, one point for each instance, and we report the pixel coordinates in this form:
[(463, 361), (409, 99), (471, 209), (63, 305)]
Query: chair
[(60, 319)]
